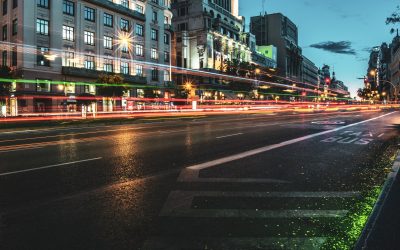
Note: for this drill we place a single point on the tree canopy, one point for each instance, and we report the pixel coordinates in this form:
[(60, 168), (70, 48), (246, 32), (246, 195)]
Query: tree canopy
[(112, 85)]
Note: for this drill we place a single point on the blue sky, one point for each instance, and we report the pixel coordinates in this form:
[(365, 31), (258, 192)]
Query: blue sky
[(360, 22)]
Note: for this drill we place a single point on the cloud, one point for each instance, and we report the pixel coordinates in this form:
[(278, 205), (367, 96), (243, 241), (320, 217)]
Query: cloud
[(342, 47)]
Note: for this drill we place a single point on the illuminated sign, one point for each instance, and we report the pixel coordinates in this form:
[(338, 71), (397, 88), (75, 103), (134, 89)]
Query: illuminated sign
[(269, 51)]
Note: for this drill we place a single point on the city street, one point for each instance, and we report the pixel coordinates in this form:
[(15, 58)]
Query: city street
[(250, 181)]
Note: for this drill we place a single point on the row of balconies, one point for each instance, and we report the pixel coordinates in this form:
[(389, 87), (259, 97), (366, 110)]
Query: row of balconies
[(94, 74)]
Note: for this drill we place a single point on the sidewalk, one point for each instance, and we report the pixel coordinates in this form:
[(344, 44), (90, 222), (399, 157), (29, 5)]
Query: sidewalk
[(385, 231)]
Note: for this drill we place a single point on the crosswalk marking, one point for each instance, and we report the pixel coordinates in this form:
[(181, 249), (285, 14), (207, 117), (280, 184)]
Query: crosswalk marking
[(192, 175), (179, 204)]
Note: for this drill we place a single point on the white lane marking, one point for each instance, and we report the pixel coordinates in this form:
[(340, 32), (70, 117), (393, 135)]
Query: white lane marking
[(223, 243), (225, 136), (381, 135), (50, 166), (274, 146)]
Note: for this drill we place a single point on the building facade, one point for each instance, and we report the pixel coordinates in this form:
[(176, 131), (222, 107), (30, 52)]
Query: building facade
[(207, 34), (278, 30), (395, 68), (310, 72), (69, 41)]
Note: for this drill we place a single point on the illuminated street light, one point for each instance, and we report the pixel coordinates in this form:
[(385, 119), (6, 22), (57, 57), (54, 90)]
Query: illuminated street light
[(372, 72), (124, 41), (188, 86)]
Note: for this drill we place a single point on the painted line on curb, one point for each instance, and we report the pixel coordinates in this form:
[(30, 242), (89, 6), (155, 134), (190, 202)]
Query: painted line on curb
[(50, 166)]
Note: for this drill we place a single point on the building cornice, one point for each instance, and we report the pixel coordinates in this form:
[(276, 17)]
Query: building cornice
[(119, 9)]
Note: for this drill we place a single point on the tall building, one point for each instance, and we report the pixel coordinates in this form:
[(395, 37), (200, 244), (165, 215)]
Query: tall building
[(207, 33), (73, 41), (278, 30), (310, 72), (394, 67)]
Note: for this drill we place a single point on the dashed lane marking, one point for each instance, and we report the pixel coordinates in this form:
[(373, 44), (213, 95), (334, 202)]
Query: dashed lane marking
[(231, 135), (50, 166)]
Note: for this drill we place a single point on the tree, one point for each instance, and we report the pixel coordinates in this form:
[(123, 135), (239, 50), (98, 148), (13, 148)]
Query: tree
[(112, 86), (394, 18)]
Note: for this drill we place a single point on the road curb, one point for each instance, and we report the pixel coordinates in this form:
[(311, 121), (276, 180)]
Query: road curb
[(362, 242)]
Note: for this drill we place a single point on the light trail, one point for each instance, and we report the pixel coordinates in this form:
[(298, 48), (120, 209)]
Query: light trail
[(29, 49)]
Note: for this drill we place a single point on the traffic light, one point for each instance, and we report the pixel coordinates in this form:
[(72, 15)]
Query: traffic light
[(366, 80), (327, 80)]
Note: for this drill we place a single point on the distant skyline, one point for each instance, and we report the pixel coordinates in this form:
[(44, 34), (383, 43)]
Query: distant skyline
[(338, 33)]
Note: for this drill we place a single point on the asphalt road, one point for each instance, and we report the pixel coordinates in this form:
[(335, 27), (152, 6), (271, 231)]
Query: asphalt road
[(261, 181)]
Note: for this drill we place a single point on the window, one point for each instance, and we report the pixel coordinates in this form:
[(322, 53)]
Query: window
[(15, 4), (166, 38), (166, 56), (15, 27), (139, 50), (139, 70), (182, 26), (89, 62), (166, 20), (68, 33), (154, 16), (43, 3), (108, 42), (68, 59), (182, 11), (4, 37), (89, 14), (5, 7), (139, 29), (154, 74), (154, 34), (125, 68), (124, 48), (14, 57), (108, 65), (42, 27), (124, 25), (167, 76), (139, 8), (4, 58), (154, 54), (68, 8), (42, 85), (41, 59), (108, 20), (125, 3), (88, 38)]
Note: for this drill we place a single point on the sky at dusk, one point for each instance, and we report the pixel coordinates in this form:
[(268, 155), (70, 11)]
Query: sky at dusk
[(351, 26)]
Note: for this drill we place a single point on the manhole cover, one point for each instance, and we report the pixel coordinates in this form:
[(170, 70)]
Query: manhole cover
[(329, 122)]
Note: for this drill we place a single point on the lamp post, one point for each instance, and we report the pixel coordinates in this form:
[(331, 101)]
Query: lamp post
[(395, 88)]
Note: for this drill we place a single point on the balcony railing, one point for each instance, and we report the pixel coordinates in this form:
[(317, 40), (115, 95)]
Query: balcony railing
[(94, 74)]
